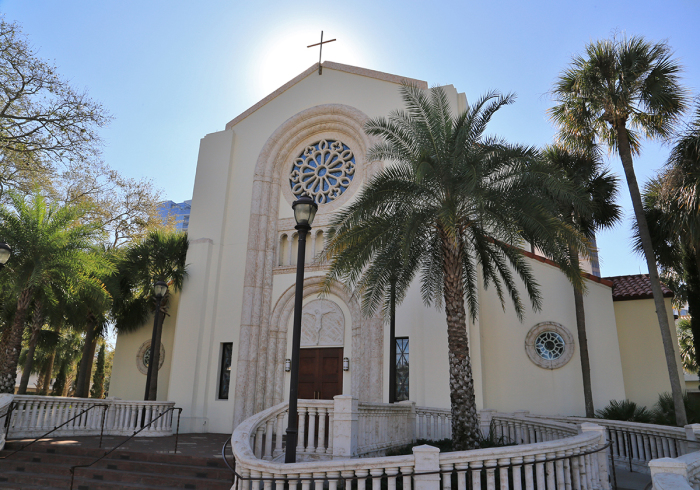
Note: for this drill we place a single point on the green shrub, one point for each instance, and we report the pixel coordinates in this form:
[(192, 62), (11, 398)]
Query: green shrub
[(664, 410), (625, 410)]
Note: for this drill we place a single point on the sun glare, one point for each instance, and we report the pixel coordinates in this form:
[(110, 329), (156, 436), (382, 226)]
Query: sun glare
[(286, 55)]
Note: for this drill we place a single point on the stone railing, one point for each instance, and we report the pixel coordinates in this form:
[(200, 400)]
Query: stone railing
[(577, 460), (33, 416), (433, 424), (520, 428), (636, 444), (682, 473), (383, 426), (5, 401)]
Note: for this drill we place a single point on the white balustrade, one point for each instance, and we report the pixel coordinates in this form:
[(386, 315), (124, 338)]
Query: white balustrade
[(5, 402), (36, 415), (549, 455)]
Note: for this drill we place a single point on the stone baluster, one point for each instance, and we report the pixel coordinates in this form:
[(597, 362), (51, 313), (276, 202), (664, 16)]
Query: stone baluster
[(319, 479), (361, 476), (491, 473), (333, 477), (302, 430), (293, 479), (446, 474), (255, 480), (347, 475), (269, 435), (476, 467), (391, 476), (321, 446), (305, 480), (259, 441), (503, 465), (377, 474), (267, 482), (311, 446), (528, 470), (461, 469), (559, 468), (406, 477), (280, 431), (516, 472), (583, 471), (549, 468), (539, 470), (329, 449), (575, 470)]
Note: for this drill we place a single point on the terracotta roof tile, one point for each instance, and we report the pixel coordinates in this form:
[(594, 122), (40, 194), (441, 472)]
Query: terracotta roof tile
[(637, 286)]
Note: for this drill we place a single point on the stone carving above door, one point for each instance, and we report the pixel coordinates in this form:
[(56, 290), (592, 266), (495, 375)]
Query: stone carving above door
[(322, 324)]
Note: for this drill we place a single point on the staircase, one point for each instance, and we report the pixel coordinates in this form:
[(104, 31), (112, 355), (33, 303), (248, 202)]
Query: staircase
[(42, 467)]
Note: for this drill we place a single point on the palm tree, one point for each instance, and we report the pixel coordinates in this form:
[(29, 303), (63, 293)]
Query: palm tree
[(687, 345), (619, 91), (160, 256), (585, 170), (452, 202), (49, 245)]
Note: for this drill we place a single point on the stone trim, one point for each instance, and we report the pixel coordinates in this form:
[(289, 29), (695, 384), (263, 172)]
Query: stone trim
[(257, 342), (140, 365), (549, 327)]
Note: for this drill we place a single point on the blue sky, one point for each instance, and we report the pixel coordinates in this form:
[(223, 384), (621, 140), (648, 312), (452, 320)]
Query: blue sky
[(171, 72)]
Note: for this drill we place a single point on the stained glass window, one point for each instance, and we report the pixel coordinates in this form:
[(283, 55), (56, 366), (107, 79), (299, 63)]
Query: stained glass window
[(323, 171), (225, 372), (401, 369)]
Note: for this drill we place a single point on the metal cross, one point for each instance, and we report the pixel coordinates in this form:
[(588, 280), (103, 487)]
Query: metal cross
[(319, 50)]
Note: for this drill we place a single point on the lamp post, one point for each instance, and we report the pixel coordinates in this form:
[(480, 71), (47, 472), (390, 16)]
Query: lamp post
[(159, 288), (5, 252), (304, 212)]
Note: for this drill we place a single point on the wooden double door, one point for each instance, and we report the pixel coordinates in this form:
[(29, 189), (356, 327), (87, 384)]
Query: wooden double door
[(320, 373)]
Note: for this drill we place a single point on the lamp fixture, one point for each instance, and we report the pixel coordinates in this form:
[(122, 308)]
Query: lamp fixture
[(346, 364), (287, 365)]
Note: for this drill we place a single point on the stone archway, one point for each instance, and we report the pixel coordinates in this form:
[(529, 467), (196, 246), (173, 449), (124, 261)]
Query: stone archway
[(258, 345)]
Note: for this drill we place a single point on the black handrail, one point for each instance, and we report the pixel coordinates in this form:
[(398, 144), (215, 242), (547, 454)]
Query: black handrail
[(102, 428), (177, 433), (223, 455)]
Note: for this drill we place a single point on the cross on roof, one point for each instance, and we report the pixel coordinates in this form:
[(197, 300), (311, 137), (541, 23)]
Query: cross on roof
[(320, 45)]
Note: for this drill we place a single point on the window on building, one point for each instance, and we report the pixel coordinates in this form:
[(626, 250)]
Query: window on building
[(225, 371), (401, 368)]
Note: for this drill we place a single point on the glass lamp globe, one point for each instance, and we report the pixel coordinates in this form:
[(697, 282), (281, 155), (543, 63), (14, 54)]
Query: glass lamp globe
[(5, 252), (304, 210), (160, 288)]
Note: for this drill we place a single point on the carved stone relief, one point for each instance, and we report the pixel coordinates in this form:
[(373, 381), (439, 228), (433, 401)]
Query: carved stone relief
[(322, 324)]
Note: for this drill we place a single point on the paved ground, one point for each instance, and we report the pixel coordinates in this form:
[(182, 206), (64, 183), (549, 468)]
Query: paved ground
[(627, 480), (206, 445)]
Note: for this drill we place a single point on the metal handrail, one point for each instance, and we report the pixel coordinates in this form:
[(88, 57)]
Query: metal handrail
[(102, 428), (177, 433)]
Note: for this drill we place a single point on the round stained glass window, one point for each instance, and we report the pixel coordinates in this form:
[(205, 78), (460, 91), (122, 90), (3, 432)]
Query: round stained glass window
[(549, 346), (323, 171)]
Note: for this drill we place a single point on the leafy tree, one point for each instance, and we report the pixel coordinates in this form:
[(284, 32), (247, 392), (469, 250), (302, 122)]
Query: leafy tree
[(40, 113), (49, 246), (98, 379), (453, 203), (617, 92), (160, 256), (585, 170)]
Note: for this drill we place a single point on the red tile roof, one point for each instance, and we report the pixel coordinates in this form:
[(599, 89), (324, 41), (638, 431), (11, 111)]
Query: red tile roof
[(637, 286)]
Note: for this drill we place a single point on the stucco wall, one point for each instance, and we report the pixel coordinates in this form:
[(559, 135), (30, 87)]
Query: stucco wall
[(512, 381), (127, 382), (641, 350)]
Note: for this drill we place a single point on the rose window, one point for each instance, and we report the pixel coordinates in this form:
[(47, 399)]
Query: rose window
[(323, 171), (549, 345)]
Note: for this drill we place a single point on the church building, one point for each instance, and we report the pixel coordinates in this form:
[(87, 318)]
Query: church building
[(227, 340)]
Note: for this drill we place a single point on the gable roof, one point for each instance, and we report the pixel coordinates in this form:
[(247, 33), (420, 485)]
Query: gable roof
[(355, 70), (636, 286)]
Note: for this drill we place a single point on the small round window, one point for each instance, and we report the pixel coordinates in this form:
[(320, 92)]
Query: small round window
[(549, 345)]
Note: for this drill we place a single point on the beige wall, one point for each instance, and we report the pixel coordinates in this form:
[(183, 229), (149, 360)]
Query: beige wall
[(127, 382), (641, 350), (511, 381)]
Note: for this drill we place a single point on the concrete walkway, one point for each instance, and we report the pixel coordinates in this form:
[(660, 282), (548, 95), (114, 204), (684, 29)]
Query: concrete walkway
[(627, 480)]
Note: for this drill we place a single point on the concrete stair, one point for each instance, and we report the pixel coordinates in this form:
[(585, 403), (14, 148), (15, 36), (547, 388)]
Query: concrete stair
[(42, 467)]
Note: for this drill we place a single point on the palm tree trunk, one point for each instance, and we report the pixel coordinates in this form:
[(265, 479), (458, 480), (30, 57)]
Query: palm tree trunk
[(583, 343), (625, 153), (37, 323), (50, 363), (465, 419), (155, 358), (82, 385), (691, 265), (11, 343)]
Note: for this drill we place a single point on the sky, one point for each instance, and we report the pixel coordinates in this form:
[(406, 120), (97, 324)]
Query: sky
[(172, 72)]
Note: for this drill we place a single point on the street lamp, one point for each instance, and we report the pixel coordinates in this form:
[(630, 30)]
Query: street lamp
[(5, 252), (304, 212), (159, 288)]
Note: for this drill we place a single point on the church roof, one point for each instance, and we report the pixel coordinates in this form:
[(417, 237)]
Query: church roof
[(636, 286), (329, 65)]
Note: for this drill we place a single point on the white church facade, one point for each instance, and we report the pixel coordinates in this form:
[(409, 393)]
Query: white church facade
[(225, 345)]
